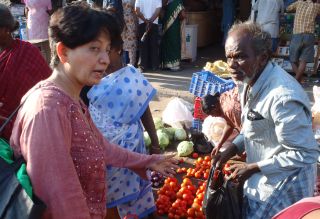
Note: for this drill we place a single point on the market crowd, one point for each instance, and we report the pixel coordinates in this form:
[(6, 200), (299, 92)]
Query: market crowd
[(81, 121)]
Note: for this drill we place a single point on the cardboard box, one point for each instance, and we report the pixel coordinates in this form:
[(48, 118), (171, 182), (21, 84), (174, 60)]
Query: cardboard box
[(205, 22), (191, 42), (44, 48)]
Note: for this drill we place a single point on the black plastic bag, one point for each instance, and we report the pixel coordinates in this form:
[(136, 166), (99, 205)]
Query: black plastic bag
[(223, 198), (201, 145), (15, 202)]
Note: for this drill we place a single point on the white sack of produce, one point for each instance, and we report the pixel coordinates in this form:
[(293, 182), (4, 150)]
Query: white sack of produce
[(212, 128), (178, 113)]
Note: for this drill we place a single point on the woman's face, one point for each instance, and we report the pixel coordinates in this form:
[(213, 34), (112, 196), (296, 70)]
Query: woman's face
[(86, 64)]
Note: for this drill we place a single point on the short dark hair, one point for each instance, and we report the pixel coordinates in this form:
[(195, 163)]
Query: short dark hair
[(6, 19), (209, 102), (75, 25)]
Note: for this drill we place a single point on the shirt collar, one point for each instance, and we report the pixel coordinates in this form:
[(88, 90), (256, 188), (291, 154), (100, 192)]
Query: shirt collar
[(263, 78)]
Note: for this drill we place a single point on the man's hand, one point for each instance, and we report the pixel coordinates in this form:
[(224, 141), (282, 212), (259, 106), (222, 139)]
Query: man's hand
[(215, 150), (166, 166), (243, 171), (223, 157)]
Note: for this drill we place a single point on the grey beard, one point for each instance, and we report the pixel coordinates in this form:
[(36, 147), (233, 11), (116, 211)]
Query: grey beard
[(246, 79)]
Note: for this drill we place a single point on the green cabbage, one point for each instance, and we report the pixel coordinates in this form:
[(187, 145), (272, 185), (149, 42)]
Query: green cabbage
[(147, 139), (185, 148), (180, 134), (158, 123), (163, 139), (170, 131)]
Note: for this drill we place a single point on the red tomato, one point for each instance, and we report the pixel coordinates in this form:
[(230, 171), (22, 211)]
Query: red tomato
[(160, 212), (175, 205), (200, 160), (200, 196), (179, 194), (195, 155), (191, 212), (173, 184), (207, 158), (196, 206), (187, 197), (170, 215), (196, 200), (198, 175)]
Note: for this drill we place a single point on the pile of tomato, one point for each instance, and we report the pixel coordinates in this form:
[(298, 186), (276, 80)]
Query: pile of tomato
[(201, 169), (185, 200)]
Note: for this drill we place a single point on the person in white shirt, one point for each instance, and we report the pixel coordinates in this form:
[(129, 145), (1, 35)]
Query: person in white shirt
[(268, 16), (148, 33)]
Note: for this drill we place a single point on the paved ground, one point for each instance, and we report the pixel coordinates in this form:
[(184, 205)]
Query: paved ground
[(176, 84)]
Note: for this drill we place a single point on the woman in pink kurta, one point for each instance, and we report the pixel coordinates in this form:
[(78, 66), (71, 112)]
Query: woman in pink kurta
[(38, 18), (66, 155)]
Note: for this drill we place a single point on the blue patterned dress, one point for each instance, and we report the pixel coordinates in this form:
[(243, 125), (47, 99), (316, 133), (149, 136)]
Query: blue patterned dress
[(116, 106)]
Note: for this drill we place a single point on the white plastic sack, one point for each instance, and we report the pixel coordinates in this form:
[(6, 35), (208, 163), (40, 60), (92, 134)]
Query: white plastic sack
[(212, 128), (177, 113), (316, 111)]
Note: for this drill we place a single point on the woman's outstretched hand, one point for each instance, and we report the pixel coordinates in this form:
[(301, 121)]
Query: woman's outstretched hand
[(167, 166)]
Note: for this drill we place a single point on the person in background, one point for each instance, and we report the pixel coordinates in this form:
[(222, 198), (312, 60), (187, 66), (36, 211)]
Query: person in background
[(228, 16), (21, 67), (119, 106), (114, 6), (225, 105), (66, 155), (301, 48), (130, 31), (38, 13), (276, 134), (148, 12), (268, 16), (171, 36)]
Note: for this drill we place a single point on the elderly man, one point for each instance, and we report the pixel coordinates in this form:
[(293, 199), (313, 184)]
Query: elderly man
[(276, 127)]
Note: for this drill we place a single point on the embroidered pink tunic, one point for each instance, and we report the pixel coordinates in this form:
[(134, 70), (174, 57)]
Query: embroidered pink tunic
[(66, 155)]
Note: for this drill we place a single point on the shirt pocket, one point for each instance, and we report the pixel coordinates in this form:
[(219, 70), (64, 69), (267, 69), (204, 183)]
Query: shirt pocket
[(255, 129)]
